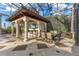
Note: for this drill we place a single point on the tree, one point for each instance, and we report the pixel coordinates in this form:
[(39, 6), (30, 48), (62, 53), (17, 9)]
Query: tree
[(60, 22), (8, 29)]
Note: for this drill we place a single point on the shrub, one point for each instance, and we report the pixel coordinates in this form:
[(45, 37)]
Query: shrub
[(8, 29)]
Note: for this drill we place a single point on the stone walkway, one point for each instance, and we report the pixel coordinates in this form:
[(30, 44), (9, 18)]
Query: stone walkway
[(19, 48), (33, 50)]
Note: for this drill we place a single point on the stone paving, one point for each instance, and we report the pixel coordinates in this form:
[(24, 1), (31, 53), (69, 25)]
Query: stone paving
[(17, 49), (33, 50)]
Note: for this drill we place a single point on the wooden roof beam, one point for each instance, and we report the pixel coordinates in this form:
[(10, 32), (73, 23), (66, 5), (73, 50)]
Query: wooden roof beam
[(33, 8), (15, 5), (41, 8)]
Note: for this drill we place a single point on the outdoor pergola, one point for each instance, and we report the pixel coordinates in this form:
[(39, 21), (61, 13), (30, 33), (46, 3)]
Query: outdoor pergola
[(37, 9), (34, 24), (43, 9)]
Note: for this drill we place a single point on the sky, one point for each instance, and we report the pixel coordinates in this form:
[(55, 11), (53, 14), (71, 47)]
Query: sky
[(5, 9)]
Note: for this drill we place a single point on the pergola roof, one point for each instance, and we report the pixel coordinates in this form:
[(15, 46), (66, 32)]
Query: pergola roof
[(26, 12)]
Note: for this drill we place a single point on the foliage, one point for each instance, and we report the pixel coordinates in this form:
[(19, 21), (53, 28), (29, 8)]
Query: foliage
[(60, 23), (8, 29), (8, 19)]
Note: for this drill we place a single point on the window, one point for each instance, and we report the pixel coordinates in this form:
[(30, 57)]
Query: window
[(33, 26)]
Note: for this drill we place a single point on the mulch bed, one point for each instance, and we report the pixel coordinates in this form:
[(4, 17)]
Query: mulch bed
[(69, 35), (20, 47), (42, 46), (61, 45), (45, 40)]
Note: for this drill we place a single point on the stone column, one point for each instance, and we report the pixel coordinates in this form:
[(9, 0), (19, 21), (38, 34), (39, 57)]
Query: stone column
[(12, 28), (0, 25), (39, 31), (17, 28), (72, 20), (26, 29), (45, 30), (45, 27)]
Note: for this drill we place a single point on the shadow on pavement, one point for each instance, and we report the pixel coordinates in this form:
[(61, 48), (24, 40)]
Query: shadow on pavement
[(42, 46), (20, 47)]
